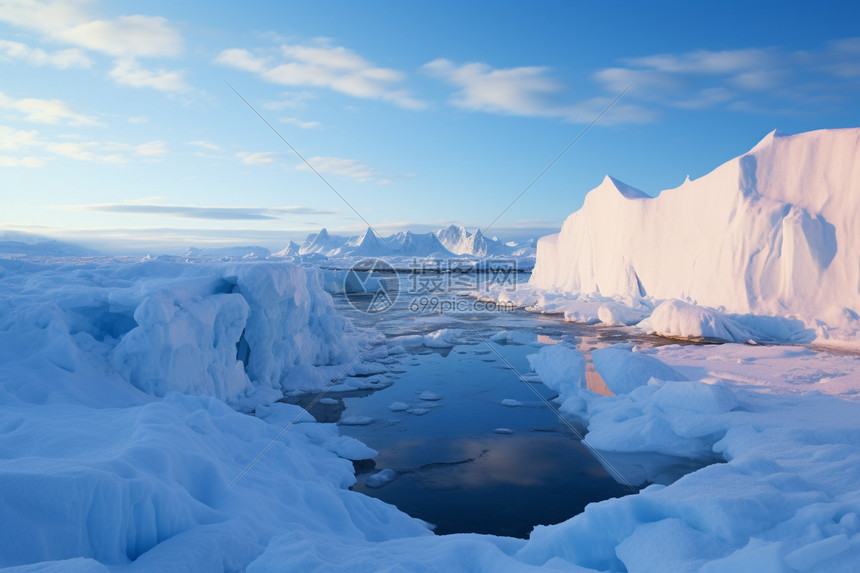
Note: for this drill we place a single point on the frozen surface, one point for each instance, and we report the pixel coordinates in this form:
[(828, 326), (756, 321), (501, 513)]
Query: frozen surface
[(771, 233), (117, 444), (122, 442), (788, 479)]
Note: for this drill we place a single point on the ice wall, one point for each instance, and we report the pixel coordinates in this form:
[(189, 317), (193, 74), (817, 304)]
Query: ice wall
[(772, 232)]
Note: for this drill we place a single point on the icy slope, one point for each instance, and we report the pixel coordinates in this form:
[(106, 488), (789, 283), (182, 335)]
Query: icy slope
[(772, 232), (98, 470), (227, 331)]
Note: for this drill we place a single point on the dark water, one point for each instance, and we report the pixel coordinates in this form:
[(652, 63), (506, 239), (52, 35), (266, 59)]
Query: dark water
[(466, 462)]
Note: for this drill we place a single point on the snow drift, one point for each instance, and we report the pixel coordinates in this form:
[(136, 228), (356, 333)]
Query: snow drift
[(772, 232), (227, 331)]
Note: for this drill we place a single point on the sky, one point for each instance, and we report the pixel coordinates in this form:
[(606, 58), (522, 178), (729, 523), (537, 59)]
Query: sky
[(137, 126)]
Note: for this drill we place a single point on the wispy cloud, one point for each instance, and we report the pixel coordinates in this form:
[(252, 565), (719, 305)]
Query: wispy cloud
[(151, 149), (322, 65), (83, 151), (15, 139), (289, 100), (300, 123), (24, 141), (6, 161), (524, 91), (259, 158), (125, 38), (207, 145), (515, 91), (128, 72), (51, 111), (351, 168), (198, 212), (740, 79), (61, 59)]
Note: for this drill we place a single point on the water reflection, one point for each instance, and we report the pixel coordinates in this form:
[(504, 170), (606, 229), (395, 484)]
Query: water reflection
[(452, 469), (498, 484)]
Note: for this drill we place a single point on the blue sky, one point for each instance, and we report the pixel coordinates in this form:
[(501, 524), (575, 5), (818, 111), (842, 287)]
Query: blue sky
[(116, 123)]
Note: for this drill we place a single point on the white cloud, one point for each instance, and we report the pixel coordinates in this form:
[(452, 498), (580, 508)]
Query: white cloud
[(153, 148), (649, 84), (52, 111), (135, 119), (730, 78), (708, 62), (525, 91), (83, 151), (300, 123), (289, 100), (514, 91), (127, 72), (323, 66), (707, 97), (259, 158), (62, 59), (14, 139), (207, 145), (351, 168), (21, 161), (126, 36)]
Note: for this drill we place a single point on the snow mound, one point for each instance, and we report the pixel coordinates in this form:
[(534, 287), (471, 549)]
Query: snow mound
[(675, 318), (772, 232), (560, 368), (624, 370)]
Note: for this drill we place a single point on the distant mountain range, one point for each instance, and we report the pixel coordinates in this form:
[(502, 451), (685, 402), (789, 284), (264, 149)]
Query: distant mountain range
[(447, 242)]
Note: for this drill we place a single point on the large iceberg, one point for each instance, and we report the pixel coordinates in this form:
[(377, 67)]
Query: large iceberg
[(772, 232)]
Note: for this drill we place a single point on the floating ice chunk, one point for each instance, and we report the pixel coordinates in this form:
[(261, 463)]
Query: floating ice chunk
[(328, 401), (283, 414), (364, 383), (443, 338), (503, 431), (398, 406), (514, 337), (381, 479), (511, 403), (624, 370), (429, 396), (560, 367), (356, 421), (418, 411)]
